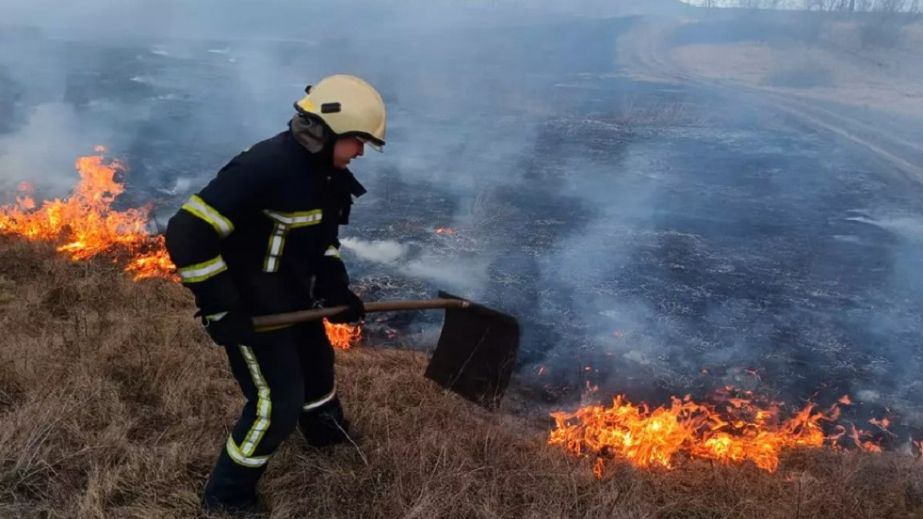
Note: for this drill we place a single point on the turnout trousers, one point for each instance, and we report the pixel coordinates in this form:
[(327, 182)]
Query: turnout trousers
[(288, 380)]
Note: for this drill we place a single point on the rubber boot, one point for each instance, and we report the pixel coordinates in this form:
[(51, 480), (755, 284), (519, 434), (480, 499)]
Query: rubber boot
[(231, 489), (325, 425)]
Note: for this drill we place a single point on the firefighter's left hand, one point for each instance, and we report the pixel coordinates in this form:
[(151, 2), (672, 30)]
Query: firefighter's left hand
[(331, 288), (348, 298)]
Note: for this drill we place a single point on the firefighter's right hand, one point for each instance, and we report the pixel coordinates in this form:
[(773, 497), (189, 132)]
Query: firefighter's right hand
[(231, 328)]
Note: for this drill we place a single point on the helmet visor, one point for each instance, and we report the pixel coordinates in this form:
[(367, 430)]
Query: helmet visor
[(371, 142)]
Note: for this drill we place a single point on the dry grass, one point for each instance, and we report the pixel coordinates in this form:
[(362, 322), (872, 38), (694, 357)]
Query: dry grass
[(112, 404), (838, 70)]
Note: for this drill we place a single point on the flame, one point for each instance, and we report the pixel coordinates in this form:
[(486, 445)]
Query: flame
[(85, 225), (867, 445), (738, 432), (882, 424), (343, 336), (444, 231)]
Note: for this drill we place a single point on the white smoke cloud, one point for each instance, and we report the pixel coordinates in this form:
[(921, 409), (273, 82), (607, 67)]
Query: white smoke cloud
[(449, 271), (452, 273), (43, 151), (386, 252), (909, 227)]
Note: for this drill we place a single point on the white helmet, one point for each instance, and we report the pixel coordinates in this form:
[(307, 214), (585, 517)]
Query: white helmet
[(349, 106)]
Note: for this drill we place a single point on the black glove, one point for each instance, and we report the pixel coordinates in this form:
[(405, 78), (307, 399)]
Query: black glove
[(348, 298), (231, 328), (331, 288)]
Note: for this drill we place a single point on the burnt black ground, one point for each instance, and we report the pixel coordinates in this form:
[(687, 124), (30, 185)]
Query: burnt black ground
[(653, 239)]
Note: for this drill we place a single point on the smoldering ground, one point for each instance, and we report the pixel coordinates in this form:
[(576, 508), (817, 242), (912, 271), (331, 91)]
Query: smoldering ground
[(654, 237)]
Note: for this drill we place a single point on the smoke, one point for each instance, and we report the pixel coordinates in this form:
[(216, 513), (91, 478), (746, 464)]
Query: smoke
[(908, 227), (445, 270), (654, 190), (387, 252), (48, 142), (276, 19)]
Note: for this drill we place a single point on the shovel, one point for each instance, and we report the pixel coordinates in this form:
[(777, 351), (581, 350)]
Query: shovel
[(476, 351)]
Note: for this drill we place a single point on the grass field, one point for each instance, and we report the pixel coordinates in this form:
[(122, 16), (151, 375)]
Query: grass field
[(113, 403)]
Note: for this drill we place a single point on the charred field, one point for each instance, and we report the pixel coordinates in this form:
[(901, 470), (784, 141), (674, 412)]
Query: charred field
[(655, 238)]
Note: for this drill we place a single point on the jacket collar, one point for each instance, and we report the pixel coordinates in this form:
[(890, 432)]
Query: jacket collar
[(350, 183)]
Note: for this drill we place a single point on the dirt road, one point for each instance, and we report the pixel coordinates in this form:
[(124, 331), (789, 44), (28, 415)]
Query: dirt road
[(646, 54)]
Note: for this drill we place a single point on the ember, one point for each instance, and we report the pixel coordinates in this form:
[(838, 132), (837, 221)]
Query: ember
[(739, 431), (445, 231)]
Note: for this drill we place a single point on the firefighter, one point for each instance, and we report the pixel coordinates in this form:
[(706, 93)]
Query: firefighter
[(261, 238)]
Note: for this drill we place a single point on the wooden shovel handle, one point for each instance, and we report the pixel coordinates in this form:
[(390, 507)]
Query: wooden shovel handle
[(379, 306)]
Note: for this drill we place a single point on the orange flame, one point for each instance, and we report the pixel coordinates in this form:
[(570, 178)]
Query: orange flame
[(343, 336), (741, 431), (867, 445), (882, 424), (85, 225), (444, 231)]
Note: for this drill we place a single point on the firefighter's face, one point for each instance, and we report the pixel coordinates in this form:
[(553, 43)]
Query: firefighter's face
[(345, 150)]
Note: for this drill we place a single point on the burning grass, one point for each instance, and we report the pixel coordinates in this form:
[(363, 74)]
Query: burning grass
[(85, 224), (113, 404), (739, 431)]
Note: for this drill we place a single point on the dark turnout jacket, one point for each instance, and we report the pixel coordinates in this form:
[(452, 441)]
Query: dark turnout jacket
[(257, 232)]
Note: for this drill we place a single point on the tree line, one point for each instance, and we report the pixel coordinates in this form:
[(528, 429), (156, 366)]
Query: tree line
[(882, 6)]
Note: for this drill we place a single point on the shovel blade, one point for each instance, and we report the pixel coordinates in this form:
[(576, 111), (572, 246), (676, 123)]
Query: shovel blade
[(476, 353)]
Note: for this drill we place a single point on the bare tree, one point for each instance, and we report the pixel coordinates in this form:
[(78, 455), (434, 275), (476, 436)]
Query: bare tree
[(810, 5), (846, 5), (882, 6), (889, 6)]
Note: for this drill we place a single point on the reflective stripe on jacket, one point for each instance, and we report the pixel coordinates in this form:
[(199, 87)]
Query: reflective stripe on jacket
[(257, 230)]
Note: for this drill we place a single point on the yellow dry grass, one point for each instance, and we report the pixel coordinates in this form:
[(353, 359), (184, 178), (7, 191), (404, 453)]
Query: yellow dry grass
[(113, 404)]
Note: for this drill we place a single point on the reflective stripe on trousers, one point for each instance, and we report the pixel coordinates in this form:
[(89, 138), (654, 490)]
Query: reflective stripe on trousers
[(243, 454), (322, 400)]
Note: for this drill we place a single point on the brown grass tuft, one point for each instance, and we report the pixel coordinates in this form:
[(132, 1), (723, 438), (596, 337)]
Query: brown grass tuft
[(113, 404)]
